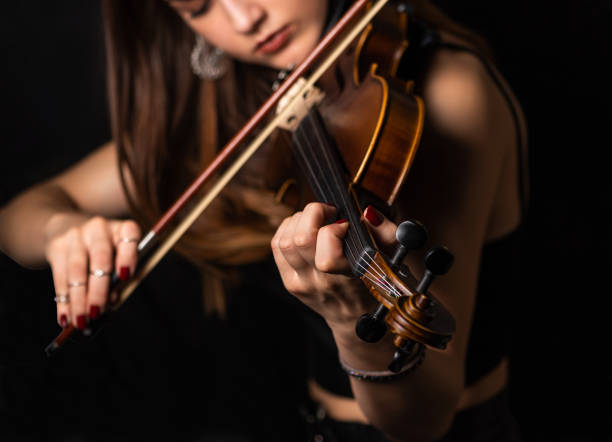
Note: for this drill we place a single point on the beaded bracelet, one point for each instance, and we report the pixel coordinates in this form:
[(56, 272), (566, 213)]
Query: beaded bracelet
[(386, 375)]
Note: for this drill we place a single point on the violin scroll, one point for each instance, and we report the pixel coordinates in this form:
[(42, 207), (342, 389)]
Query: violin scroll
[(410, 235), (413, 315), (420, 314)]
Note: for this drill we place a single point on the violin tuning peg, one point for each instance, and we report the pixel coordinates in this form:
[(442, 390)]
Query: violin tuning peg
[(410, 235), (371, 327), (438, 261), (401, 356), (397, 362)]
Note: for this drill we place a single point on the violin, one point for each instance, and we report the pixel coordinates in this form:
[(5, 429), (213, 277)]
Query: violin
[(356, 128)]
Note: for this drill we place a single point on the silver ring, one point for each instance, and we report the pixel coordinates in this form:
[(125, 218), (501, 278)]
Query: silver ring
[(76, 284), (99, 273), (62, 299), (125, 240)]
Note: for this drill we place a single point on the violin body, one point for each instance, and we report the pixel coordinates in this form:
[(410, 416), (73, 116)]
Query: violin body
[(379, 143), (374, 117), (356, 148)]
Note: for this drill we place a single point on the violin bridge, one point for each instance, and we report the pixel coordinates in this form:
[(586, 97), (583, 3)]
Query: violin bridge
[(297, 103)]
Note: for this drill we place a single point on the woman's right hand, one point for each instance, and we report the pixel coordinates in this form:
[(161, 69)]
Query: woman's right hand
[(83, 259)]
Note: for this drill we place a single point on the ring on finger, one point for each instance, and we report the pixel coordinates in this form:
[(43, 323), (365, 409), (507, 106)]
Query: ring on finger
[(62, 299), (76, 284), (99, 273), (127, 239)]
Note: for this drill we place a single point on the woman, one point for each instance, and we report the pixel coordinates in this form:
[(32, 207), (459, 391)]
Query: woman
[(465, 187)]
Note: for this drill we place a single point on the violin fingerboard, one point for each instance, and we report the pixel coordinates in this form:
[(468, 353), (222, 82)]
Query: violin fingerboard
[(316, 154)]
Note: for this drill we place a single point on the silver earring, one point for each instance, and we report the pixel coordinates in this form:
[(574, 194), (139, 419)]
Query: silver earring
[(207, 62)]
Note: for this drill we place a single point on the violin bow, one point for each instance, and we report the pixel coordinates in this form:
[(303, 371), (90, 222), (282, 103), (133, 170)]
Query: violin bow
[(149, 240)]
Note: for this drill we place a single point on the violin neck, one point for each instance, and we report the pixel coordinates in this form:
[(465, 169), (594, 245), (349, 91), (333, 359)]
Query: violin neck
[(316, 154)]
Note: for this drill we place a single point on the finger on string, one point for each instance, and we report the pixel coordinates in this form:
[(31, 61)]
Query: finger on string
[(307, 228), (329, 255)]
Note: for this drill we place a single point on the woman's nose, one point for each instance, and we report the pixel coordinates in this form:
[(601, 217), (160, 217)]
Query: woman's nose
[(245, 15)]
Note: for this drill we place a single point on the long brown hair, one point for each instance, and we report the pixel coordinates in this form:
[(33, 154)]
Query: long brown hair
[(167, 124), (165, 121), (166, 127)]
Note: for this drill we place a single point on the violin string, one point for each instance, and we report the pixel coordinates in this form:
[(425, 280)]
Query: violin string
[(327, 155), (379, 271), (374, 282), (376, 267), (377, 278), (351, 247), (381, 282), (318, 183), (335, 180), (337, 196)]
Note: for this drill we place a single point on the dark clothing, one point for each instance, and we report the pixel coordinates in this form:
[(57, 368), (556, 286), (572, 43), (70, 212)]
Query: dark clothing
[(160, 370), (486, 422), (489, 339)]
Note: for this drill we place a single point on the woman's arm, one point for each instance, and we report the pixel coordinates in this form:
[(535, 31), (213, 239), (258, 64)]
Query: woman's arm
[(31, 219), (452, 190)]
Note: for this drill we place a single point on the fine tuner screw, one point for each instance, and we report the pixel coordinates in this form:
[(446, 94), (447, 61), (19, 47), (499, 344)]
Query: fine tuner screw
[(410, 235)]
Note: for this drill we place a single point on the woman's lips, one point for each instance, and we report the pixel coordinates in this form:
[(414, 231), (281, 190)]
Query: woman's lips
[(275, 41)]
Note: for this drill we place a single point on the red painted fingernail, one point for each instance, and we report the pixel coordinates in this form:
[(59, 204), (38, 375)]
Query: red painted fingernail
[(329, 205), (63, 322), (94, 312), (124, 273), (342, 221), (372, 215), (81, 322)]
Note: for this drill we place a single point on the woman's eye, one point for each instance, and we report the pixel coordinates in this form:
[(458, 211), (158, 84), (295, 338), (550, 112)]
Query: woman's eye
[(190, 8), (200, 11)]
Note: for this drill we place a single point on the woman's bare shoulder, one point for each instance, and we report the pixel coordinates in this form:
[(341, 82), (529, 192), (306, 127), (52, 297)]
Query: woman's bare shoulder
[(465, 103), (469, 142)]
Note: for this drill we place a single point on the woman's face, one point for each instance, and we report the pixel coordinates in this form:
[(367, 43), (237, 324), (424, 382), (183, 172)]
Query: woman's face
[(275, 33)]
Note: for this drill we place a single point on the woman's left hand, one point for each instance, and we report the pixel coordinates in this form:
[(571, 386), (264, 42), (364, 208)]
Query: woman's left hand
[(308, 253)]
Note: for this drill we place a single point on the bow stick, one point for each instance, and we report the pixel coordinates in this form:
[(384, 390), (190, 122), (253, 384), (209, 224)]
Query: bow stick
[(149, 240)]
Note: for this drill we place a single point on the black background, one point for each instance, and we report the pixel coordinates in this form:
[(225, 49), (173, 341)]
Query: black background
[(555, 56)]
